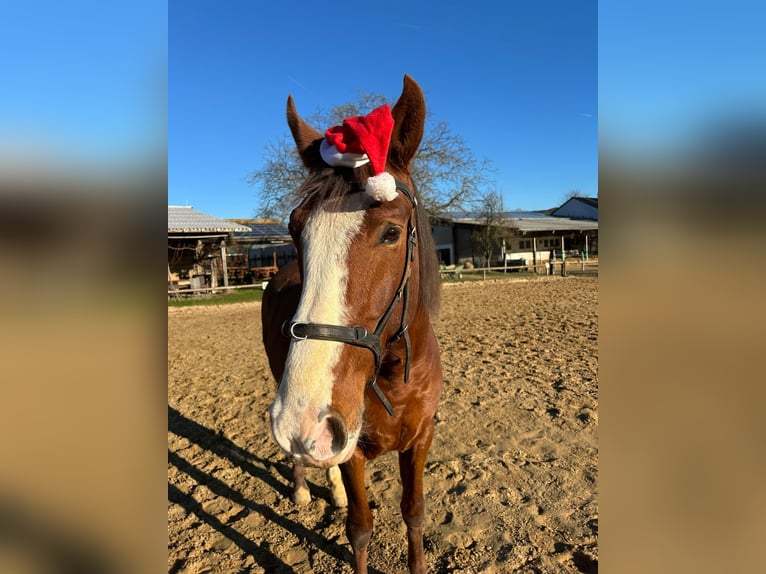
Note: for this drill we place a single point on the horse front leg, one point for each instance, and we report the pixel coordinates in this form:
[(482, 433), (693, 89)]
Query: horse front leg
[(359, 517), (411, 465), (301, 493), (337, 490)]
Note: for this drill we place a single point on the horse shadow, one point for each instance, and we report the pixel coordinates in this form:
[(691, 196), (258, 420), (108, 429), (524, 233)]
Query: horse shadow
[(259, 469)]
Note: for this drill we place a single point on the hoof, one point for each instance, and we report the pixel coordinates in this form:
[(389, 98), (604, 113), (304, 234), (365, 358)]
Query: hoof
[(301, 496), (339, 498)]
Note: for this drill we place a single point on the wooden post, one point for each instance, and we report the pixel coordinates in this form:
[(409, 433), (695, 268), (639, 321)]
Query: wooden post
[(213, 275), (224, 264), (586, 247), (563, 259), (534, 252)]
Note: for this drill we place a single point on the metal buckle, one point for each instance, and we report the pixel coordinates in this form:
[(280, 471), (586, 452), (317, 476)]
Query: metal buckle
[(293, 325)]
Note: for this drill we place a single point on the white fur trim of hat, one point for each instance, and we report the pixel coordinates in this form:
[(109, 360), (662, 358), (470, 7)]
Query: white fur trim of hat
[(382, 187)]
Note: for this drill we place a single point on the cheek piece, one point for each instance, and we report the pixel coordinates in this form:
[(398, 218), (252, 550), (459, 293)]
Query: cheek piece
[(358, 336)]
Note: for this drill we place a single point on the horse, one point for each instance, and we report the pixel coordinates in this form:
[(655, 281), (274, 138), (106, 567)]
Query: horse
[(348, 329)]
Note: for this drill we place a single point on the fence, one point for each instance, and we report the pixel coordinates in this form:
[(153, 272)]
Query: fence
[(551, 267), (588, 268), (176, 293)]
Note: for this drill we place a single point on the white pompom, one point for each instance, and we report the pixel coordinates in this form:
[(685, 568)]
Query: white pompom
[(382, 187)]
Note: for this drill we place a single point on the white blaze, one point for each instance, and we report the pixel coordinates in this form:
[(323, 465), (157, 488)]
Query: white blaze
[(307, 381)]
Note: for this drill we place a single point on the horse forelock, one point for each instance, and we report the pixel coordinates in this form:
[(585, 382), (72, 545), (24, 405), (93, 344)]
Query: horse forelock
[(330, 183)]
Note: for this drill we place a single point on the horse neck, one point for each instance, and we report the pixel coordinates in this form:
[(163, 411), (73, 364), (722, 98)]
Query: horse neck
[(418, 316)]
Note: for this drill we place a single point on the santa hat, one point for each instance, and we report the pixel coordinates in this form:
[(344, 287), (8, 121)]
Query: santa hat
[(361, 140)]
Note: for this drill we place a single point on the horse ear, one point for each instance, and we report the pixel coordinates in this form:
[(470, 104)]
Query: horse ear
[(409, 120), (307, 139)]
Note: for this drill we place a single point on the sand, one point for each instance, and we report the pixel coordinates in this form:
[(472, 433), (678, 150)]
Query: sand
[(511, 478)]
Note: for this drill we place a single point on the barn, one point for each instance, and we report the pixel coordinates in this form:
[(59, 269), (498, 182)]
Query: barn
[(262, 249), (578, 208), (197, 248), (205, 252), (525, 238)]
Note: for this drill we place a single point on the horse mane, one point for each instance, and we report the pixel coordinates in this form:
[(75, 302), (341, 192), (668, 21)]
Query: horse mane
[(328, 183), (430, 282)]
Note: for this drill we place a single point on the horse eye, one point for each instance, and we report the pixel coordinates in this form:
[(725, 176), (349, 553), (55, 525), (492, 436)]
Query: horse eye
[(390, 235)]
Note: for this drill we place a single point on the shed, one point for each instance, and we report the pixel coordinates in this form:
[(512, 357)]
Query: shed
[(197, 248), (530, 237), (263, 248)]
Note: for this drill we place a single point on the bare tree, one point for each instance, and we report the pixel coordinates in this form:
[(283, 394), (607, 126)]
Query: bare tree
[(281, 174), (575, 192), (492, 229), (445, 170)]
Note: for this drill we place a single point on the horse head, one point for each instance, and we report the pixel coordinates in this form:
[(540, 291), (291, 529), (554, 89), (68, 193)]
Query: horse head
[(356, 233)]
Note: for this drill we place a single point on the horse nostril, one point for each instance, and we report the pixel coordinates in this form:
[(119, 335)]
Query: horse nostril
[(338, 431)]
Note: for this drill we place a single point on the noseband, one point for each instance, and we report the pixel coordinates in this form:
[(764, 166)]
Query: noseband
[(359, 336)]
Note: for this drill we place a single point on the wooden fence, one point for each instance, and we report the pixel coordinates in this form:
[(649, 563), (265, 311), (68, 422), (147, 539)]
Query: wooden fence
[(573, 267), (557, 267), (175, 293)]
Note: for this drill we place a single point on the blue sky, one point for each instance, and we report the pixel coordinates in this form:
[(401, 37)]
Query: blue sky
[(83, 81), (668, 71), (522, 82), (517, 80)]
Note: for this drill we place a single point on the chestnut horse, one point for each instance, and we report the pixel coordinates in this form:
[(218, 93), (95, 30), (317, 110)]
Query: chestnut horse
[(347, 328)]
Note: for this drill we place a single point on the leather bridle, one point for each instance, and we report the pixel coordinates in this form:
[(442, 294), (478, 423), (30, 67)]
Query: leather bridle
[(358, 336)]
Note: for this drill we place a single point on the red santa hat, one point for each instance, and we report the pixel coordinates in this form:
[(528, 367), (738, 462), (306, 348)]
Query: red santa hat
[(361, 140)]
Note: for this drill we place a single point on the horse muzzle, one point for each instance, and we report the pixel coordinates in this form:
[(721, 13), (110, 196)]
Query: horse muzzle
[(313, 440)]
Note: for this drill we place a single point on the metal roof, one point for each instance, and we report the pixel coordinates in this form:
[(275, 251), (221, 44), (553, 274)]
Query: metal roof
[(525, 222), (553, 224), (578, 208), (592, 201), (517, 214), (185, 219), (523, 214), (264, 230)]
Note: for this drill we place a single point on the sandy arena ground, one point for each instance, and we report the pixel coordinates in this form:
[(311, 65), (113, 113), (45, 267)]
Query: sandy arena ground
[(511, 479)]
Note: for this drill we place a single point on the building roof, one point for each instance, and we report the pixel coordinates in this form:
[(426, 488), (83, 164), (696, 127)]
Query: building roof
[(264, 231), (592, 201), (525, 225), (186, 219), (527, 222), (516, 214), (578, 208)]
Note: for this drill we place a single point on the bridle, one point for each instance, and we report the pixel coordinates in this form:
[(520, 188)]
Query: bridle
[(358, 336)]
